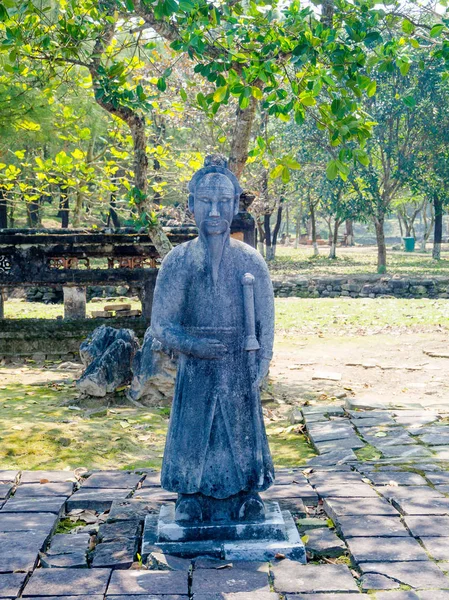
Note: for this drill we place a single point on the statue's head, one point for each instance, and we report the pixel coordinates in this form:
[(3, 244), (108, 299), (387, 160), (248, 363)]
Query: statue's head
[(214, 195)]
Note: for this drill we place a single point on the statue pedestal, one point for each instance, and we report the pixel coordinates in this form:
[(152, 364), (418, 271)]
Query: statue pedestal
[(259, 540)]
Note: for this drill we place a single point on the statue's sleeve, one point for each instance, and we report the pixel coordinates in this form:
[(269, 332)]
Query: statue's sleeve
[(264, 304), (168, 301)]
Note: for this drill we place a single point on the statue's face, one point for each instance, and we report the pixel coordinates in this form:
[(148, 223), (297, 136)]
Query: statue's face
[(214, 202)]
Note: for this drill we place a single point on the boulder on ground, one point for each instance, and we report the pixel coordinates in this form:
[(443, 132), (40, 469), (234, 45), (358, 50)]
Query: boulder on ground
[(101, 338)]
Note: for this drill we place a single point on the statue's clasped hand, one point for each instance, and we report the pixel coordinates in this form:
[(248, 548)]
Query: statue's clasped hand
[(208, 348)]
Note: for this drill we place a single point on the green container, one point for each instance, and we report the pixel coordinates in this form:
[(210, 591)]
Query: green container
[(409, 244)]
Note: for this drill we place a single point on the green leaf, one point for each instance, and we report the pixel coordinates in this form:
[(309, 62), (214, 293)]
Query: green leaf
[(183, 94), (220, 93), (371, 89), (243, 101), (436, 30), (285, 175), (170, 7), (308, 100), (332, 170), (404, 67), (129, 5), (3, 13), (162, 84), (407, 27), (276, 172), (257, 93), (409, 101)]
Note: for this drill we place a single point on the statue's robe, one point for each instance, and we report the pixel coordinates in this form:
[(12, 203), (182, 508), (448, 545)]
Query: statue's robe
[(216, 443)]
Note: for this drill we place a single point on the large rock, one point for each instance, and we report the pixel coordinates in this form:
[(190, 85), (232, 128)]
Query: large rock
[(101, 338), (154, 374)]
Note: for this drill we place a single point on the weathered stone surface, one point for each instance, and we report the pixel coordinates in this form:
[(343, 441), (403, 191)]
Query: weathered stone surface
[(428, 575), (155, 495), (350, 490), (19, 552), (152, 479), (132, 509), (10, 584), (406, 452), (165, 562), (37, 490), (9, 476), (148, 582), (349, 596), (255, 595), (371, 526), (98, 500), (397, 478), (109, 371), (67, 582), (337, 457), (53, 504), (324, 542), (437, 547), (291, 577), (241, 577), (435, 506), (49, 476), (374, 581), (438, 478), (43, 522), (393, 436), (370, 549), (349, 442), (115, 555), (305, 492), (325, 432), (428, 526), (113, 532), (5, 490), (404, 595), (118, 480), (95, 345), (72, 560), (154, 373), (66, 543), (435, 439), (340, 507)]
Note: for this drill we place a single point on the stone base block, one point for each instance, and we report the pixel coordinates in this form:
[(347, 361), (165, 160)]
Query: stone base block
[(258, 541)]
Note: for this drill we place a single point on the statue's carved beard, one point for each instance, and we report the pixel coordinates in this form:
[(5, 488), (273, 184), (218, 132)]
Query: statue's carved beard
[(215, 233)]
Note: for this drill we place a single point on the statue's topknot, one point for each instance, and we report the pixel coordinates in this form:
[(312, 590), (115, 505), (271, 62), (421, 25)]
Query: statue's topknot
[(216, 160)]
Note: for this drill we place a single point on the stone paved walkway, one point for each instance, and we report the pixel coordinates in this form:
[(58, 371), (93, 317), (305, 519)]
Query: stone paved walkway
[(373, 530)]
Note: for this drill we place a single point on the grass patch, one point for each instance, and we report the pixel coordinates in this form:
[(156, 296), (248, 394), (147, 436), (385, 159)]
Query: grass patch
[(67, 525), (289, 449), (356, 261), (19, 309), (368, 452)]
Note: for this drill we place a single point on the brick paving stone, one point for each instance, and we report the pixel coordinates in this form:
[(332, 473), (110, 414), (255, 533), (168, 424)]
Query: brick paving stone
[(428, 575), (112, 480), (152, 494), (437, 547), (407, 451), (281, 492), (436, 506), (67, 582), (440, 452), (412, 493), (402, 595), (27, 522), (131, 509), (55, 505), (73, 560), (374, 422), (127, 583), (333, 458), (442, 489), (115, 555), (374, 581), (5, 490), (167, 562), (349, 490), (317, 479), (62, 543), (435, 439), (37, 490), (112, 532), (295, 505), (10, 584), (370, 549), (238, 578), (19, 552), (396, 478), (438, 478), (394, 436), (68, 597), (324, 542), (8, 476), (352, 442), (328, 597), (427, 525), (98, 500), (152, 480), (371, 526), (434, 595), (291, 577), (15, 562), (341, 507), (256, 595), (51, 476), (329, 434)]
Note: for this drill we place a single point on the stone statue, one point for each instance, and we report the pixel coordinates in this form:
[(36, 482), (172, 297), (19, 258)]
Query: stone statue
[(213, 304)]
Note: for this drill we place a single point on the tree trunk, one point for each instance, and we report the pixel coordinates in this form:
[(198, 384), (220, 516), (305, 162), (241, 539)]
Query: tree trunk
[(113, 218), (313, 229), (3, 210), (276, 231), (63, 208), (400, 226), (33, 209), (381, 247), (438, 228), (260, 238), (350, 241), (241, 137), (268, 246), (428, 225), (333, 250)]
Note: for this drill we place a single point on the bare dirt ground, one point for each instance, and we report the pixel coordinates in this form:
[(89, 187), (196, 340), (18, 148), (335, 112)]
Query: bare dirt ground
[(385, 368)]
